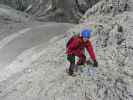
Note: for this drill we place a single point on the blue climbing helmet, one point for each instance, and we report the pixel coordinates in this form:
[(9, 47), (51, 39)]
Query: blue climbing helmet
[(86, 33)]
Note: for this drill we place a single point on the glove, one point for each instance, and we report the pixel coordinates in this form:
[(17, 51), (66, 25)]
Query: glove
[(95, 64)]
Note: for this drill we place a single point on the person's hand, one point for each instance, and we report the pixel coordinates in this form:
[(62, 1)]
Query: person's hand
[(95, 64), (89, 62)]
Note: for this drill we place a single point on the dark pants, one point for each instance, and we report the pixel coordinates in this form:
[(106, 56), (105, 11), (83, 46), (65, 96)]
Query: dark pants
[(71, 59)]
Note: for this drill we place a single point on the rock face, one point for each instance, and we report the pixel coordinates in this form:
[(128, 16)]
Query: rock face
[(8, 14), (52, 10), (106, 7), (46, 78)]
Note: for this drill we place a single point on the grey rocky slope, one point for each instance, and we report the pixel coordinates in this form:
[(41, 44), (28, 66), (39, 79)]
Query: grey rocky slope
[(8, 14), (52, 10), (45, 78)]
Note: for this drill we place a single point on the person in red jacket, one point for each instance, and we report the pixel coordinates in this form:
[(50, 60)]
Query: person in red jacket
[(75, 47)]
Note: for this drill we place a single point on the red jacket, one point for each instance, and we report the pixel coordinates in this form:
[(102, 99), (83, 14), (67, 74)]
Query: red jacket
[(76, 44)]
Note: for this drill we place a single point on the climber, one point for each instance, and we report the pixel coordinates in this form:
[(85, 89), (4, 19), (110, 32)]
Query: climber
[(75, 47)]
